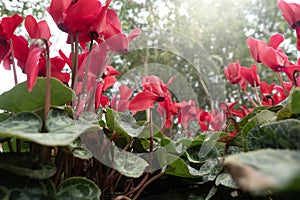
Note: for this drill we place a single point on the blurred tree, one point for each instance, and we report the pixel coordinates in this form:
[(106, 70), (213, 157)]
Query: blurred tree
[(24, 7), (221, 27)]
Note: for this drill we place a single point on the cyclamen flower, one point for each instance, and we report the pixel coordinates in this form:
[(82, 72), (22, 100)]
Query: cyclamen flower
[(255, 46), (35, 62), (233, 72), (271, 55), (291, 13), (7, 27), (290, 72), (250, 74), (274, 59), (72, 16), (121, 104), (154, 91), (188, 111), (31, 59)]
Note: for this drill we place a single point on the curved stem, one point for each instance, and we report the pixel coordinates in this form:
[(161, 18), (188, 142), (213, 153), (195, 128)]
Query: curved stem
[(75, 51), (250, 98), (148, 183), (48, 82), (13, 62), (296, 74), (139, 185), (282, 84), (151, 140), (256, 94)]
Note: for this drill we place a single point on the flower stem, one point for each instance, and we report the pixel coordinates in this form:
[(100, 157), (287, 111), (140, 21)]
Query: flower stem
[(250, 98), (256, 94), (295, 76), (148, 183), (45, 151), (282, 84), (48, 82), (13, 62), (75, 50)]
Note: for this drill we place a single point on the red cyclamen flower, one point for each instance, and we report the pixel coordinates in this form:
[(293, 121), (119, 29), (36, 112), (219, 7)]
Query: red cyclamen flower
[(250, 74), (233, 72), (72, 16), (154, 91), (291, 13), (7, 27)]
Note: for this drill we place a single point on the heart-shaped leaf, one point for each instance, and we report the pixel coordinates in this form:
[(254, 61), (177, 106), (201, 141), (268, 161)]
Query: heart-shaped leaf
[(78, 188), (18, 99), (26, 165), (264, 171), (62, 130)]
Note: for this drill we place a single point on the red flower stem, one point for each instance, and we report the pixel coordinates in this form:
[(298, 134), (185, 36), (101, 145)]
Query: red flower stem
[(45, 151), (148, 183), (18, 141), (48, 82), (75, 50), (295, 75), (13, 62), (250, 98), (92, 102), (282, 85), (85, 79), (144, 180), (151, 140), (138, 186), (256, 94)]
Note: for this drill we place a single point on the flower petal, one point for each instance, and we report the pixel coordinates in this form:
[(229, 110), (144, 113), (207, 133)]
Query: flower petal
[(142, 101)]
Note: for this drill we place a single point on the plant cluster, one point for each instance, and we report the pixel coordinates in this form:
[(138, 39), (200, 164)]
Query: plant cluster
[(64, 138)]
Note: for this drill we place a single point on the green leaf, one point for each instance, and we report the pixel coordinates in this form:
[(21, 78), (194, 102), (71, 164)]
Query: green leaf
[(79, 150), (113, 119), (21, 187), (226, 180), (265, 171), (4, 193), (209, 149), (295, 103), (4, 116), (126, 125), (264, 116), (212, 192), (161, 155), (178, 167), (62, 130), (280, 135), (20, 124), (284, 113), (78, 188), (252, 114), (129, 164), (208, 166), (26, 165), (18, 99)]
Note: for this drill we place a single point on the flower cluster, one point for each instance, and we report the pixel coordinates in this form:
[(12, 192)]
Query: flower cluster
[(94, 34), (274, 58)]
